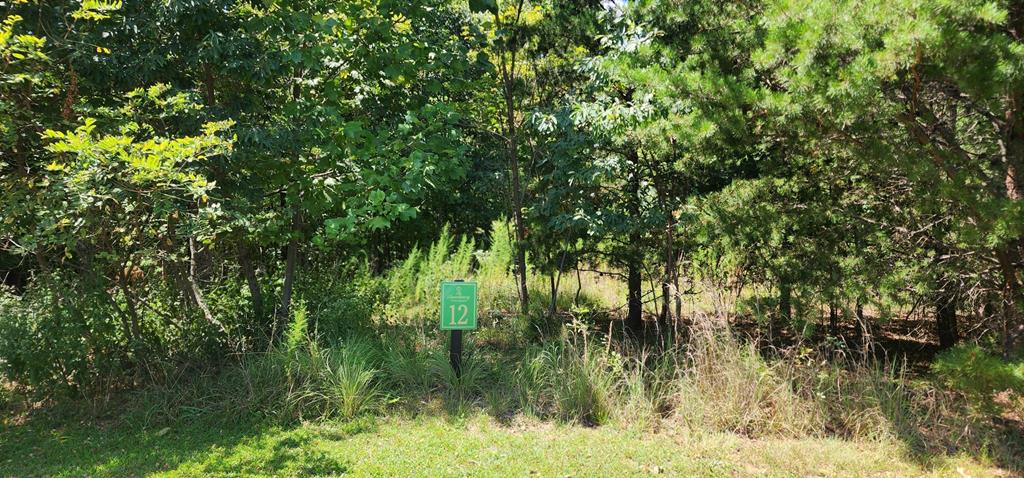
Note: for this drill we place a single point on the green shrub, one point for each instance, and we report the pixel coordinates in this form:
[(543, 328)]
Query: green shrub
[(495, 263), (320, 382), (862, 400), (414, 285), (343, 299), (584, 384), (401, 279), (352, 386), (70, 335), (977, 373), (297, 334), (497, 285), (530, 380), (54, 341), (648, 390), (300, 378)]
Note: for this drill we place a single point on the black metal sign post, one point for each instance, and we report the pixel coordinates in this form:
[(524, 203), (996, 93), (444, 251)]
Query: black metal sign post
[(455, 352)]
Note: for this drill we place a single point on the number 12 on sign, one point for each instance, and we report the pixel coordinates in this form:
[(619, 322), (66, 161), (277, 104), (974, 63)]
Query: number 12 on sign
[(458, 305)]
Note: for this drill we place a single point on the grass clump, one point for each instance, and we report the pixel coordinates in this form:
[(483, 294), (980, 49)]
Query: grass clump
[(459, 389), (407, 368), (728, 386), (572, 379), (300, 379)]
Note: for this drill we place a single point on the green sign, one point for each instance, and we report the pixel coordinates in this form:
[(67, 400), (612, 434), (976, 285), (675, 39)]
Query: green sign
[(458, 305)]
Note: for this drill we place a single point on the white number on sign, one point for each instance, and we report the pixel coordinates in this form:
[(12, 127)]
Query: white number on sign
[(463, 319)]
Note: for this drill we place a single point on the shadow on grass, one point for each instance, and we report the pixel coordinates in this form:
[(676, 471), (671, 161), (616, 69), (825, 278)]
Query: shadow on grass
[(931, 439), (49, 446)]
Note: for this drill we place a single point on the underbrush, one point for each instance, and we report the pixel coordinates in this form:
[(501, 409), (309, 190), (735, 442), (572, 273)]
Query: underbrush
[(363, 346), (980, 376), (710, 382)]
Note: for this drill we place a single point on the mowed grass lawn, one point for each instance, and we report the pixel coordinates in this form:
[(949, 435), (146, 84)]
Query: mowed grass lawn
[(441, 446)]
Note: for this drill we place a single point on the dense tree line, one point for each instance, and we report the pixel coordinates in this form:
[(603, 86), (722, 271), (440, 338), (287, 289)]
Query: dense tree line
[(171, 170)]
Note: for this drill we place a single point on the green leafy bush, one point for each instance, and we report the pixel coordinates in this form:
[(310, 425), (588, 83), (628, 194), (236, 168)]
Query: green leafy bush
[(61, 336), (297, 334), (353, 385), (977, 373), (313, 382), (343, 300)]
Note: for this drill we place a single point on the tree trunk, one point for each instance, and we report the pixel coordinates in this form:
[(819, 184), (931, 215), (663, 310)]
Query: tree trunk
[(945, 302), (666, 280), (197, 293), (553, 305), (517, 212), (1013, 153), (1009, 255), (556, 284), (833, 319), (863, 331), (634, 302), (249, 272), (134, 327), (675, 286), (508, 80), (945, 318), (1010, 298), (785, 301), (665, 317), (579, 285), (292, 257), (634, 283)]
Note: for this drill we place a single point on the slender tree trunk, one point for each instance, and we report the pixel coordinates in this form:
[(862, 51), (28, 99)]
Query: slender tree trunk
[(1010, 298), (249, 272), (675, 286), (946, 303), (283, 204), (665, 317), (666, 279), (1009, 255), (945, 318), (785, 300), (634, 284), (517, 204), (291, 258), (196, 292), (134, 321), (634, 280), (556, 283), (863, 330), (553, 305), (579, 284), (833, 319), (507, 69)]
